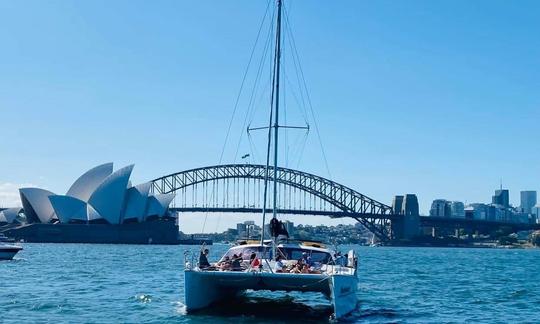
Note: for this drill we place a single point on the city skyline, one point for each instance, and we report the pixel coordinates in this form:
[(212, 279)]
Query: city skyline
[(417, 102)]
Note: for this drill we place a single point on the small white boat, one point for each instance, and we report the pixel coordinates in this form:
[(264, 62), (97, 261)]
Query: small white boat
[(8, 251), (335, 278)]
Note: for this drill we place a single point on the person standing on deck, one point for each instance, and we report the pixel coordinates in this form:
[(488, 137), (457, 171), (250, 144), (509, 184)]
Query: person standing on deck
[(203, 259)]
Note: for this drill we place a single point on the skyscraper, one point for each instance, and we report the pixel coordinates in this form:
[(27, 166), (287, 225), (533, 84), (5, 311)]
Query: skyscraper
[(440, 208), (528, 201), (502, 197), (458, 209)]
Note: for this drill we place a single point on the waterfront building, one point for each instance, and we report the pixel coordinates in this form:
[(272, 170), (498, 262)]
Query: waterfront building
[(289, 226), (469, 212), (241, 229), (528, 201), (536, 212), (440, 208), (501, 197), (247, 229), (457, 209), (479, 211), (99, 196)]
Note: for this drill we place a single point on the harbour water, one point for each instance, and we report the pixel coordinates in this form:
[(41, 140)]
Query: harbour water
[(138, 283)]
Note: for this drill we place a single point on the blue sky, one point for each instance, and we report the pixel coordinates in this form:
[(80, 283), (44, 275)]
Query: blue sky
[(437, 98)]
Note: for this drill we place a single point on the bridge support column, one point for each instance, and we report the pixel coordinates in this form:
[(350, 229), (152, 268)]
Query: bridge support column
[(409, 226)]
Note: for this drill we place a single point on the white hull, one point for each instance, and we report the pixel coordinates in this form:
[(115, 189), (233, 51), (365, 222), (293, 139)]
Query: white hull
[(203, 288), (344, 289)]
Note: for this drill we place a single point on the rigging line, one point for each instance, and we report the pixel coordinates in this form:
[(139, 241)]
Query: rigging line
[(295, 146), (308, 98), (302, 149), (258, 103), (295, 96), (303, 105), (256, 83), (244, 80), (266, 170), (239, 94), (284, 104), (257, 156)]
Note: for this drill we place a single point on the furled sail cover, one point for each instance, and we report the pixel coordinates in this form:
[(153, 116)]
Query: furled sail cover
[(158, 204), (9, 215), (108, 198), (36, 204), (69, 208), (83, 187), (136, 199)]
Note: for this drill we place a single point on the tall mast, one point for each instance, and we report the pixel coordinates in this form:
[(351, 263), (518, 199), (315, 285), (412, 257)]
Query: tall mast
[(275, 105), (276, 114)]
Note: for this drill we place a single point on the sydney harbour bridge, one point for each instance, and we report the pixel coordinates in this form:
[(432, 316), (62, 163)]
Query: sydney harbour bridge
[(238, 188)]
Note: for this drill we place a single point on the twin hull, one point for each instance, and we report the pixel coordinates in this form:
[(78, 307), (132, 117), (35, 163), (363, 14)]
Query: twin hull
[(202, 288)]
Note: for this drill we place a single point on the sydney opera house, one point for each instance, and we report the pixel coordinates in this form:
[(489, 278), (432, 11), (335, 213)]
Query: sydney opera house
[(101, 206)]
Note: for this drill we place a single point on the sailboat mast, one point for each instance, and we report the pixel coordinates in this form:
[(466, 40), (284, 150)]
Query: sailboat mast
[(275, 126), (276, 114)]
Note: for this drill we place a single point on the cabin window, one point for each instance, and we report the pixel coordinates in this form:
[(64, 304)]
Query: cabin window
[(296, 254), (246, 252)]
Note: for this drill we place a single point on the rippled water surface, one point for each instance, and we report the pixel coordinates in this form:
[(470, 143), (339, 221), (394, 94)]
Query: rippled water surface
[(130, 283)]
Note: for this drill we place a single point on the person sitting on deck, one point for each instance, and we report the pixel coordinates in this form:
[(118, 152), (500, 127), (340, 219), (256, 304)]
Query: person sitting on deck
[(254, 262), (225, 264), (305, 269), (236, 264), (297, 268), (203, 259), (278, 267), (340, 259), (306, 259)]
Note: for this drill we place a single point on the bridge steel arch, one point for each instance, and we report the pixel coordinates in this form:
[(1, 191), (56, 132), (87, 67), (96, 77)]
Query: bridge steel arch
[(374, 215)]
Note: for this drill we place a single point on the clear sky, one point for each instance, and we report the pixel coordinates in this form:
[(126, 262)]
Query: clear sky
[(437, 98)]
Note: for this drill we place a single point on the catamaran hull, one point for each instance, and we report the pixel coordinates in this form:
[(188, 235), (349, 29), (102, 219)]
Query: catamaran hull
[(344, 298), (203, 288)]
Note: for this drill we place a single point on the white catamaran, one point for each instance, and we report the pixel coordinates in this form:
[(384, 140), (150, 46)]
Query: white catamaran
[(278, 264)]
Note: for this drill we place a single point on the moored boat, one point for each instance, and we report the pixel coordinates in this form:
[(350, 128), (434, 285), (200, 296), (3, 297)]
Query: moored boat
[(8, 251)]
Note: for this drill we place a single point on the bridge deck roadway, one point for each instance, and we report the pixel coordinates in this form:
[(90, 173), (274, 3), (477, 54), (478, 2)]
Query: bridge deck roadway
[(425, 221), (331, 214)]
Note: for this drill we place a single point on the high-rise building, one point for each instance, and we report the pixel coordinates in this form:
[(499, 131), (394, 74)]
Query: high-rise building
[(528, 201), (289, 226), (458, 209), (502, 197), (479, 211), (536, 212), (241, 228), (440, 208)]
